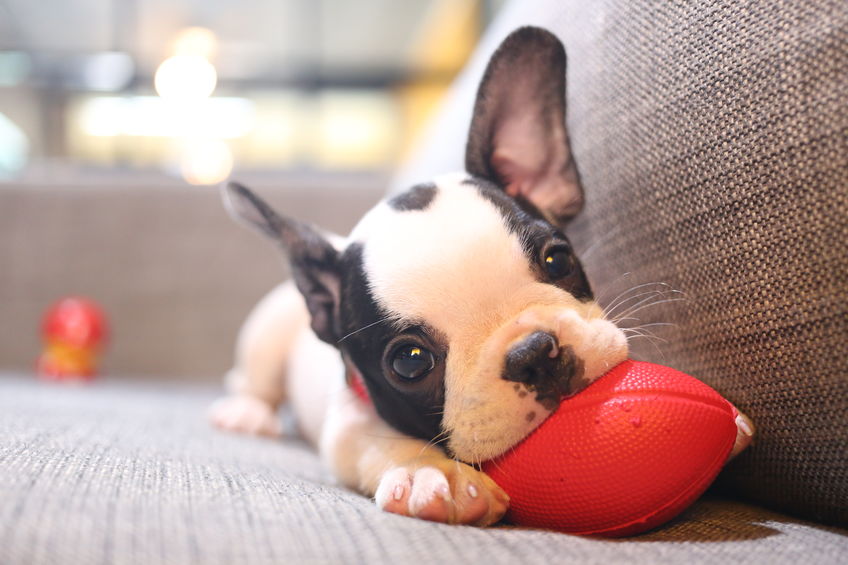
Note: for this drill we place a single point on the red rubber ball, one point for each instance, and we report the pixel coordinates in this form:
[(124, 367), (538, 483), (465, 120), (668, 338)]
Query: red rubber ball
[(625, 455)]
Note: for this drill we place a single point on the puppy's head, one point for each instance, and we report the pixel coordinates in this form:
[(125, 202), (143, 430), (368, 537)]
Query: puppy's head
[(461, 302)]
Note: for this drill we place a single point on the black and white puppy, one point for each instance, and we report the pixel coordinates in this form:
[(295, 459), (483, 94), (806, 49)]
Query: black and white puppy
[(459, 305)]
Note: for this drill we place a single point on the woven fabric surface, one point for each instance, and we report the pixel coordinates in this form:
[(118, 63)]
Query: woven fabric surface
[(126, 473), (712, 139)]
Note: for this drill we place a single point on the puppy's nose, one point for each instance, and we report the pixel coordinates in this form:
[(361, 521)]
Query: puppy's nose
[(533, 359)]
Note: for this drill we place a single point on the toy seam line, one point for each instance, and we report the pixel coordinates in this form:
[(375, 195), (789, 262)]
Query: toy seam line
[(579, 400)]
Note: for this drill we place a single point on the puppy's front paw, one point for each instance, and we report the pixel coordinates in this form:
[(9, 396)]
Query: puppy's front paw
[(744, 434), (245, 414), (442, 491)]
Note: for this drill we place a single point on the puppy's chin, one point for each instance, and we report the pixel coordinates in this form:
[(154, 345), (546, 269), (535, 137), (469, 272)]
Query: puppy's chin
[(488, 415), (488, 442)]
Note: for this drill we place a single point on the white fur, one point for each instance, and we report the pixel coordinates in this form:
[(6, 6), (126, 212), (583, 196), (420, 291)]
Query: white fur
[(457, 267), (265, 344), (323, 380), (279, 358), (246, 414), (450, 264)]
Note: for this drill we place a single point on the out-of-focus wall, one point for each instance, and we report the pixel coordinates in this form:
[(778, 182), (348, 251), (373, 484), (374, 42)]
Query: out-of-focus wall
[(118, 118), (174, 273)]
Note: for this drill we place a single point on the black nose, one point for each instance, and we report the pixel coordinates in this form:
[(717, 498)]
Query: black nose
[(533, 360)]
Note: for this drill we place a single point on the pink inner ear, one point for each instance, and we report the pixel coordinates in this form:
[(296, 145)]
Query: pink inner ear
[(545, 178), (526, 173), (517, 179)]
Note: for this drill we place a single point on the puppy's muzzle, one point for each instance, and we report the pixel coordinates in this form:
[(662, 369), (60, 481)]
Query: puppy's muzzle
[(532, 359), (539, 363)]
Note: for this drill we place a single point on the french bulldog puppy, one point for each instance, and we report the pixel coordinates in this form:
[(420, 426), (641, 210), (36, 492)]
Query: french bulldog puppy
[(449, 324)]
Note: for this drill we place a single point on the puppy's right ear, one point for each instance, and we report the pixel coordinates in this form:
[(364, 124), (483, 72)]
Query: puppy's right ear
[(518, 137), (314, 261)]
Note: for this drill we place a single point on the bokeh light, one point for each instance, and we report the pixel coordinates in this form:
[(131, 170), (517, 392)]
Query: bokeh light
[(197, 41), (14, 147), (185, 78), (205, 161)]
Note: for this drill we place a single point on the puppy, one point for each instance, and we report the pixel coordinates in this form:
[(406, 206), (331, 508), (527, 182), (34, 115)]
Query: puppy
[(449, 324)]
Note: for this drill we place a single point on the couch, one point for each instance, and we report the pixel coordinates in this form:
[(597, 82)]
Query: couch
[(713, 143)]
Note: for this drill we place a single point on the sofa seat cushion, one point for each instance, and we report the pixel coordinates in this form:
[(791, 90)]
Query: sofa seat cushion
[(130, 472)]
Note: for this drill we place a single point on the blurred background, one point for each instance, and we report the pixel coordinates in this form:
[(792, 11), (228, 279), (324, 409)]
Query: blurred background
[(200, 88), (118, 119)]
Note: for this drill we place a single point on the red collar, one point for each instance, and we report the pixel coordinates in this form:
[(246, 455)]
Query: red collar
[(356, 384)]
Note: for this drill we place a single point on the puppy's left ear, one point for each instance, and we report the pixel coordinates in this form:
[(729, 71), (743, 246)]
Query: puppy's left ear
[(518, 138), (314, 261)]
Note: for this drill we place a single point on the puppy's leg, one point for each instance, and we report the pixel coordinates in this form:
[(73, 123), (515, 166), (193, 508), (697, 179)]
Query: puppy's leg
[(257, 381), (405, 475)]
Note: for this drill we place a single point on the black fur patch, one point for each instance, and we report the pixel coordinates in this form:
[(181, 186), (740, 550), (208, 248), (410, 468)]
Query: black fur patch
[(314, 262), (551, 378), (561, 381), (529, 224), (412, 408), (418, 197)]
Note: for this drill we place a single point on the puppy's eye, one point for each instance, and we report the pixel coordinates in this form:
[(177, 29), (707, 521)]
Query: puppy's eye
[(412, 362), (559, 263)]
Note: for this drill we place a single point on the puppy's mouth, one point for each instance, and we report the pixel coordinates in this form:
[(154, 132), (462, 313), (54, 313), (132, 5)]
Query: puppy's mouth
[(521, 375), (544, 368), (542, 373)]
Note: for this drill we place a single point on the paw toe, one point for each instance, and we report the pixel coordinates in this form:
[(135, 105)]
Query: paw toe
[(744, 434), (393, 492), (431, 497), (472, 504), (453, 493)]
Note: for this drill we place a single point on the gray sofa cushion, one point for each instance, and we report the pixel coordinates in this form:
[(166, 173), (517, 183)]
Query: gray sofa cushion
[(712, 138), (123, 473)]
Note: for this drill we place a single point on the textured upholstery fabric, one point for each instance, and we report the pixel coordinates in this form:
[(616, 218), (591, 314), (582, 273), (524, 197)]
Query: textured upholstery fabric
[(712, 139), (121, 473)]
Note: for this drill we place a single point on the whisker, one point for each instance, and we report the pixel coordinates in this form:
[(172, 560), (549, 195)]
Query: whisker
[(643, 328), (651, 296), (381, 436), (652, 337), (494, 463), (653, 343), (439, 438), (635, 309), (630, 309), (609, 285), (585, 254), (622, 297), (612, 308), (654, 324), (354, 332)]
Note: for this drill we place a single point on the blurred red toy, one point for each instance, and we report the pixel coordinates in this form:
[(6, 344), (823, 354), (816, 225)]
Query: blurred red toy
[(626, 454), (74, 332)]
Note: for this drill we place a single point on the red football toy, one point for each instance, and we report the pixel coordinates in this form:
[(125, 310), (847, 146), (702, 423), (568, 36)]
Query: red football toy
[(626, 454)]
